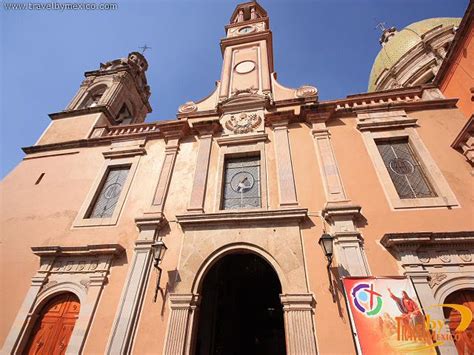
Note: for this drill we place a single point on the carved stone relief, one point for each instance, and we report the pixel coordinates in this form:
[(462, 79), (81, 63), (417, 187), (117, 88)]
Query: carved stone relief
[(244, 122), (436, 278)]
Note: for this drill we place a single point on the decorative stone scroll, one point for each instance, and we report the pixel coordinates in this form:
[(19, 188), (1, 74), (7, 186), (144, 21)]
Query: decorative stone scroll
[(306, 91), (187, 107)]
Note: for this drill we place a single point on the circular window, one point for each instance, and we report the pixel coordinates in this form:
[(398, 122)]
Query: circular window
[(245, 67), (401, 166)]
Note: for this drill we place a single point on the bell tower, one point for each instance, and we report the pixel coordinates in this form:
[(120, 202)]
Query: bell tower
[(247, 53), (115, 94)]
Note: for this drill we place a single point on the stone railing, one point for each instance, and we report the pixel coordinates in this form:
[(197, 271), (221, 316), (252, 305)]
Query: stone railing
[(124, 130), (366, 102)]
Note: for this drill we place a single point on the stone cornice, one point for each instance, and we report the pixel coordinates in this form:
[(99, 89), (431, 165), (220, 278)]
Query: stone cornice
[(83, 111), (248, 138), (243, 216), (416, 239), (208, 127), (280, 118), (409, 99), (95, 249)]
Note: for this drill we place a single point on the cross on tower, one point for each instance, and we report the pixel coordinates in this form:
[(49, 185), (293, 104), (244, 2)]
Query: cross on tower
[(144, 48), (381, 25)]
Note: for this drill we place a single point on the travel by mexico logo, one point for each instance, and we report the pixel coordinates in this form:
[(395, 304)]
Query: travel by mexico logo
[(366, 300)]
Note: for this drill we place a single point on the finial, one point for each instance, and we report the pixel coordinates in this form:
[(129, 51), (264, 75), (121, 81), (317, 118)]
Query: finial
[(144, 48)]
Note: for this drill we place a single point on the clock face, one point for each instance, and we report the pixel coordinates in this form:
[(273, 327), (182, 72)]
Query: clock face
[(246, 29), (242, 182)]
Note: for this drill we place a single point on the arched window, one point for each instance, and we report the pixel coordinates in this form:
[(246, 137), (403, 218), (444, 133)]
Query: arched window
[(54, 325), (93, 98), (464, 340), (124, 116)]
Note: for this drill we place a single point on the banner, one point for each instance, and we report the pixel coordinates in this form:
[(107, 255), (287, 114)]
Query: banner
[(387, 316)]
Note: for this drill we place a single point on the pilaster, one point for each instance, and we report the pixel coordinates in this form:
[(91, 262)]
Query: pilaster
[(205, 131), (348, 242), (126, 319), (420, 279), (299, 327), (172, 134), (327, 161), (181, 323), (286, 179)]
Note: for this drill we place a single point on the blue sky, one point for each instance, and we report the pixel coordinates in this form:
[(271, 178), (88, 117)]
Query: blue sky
[(329, 44)]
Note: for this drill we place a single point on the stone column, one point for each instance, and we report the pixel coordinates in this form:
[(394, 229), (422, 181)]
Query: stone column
[(299, 327), (205, 131), (126, 319), (286, 179), (179, 339)]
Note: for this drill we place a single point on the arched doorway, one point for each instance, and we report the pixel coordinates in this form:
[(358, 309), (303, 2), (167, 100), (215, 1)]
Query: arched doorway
[(54, 325), (241, 311), (465, 340)]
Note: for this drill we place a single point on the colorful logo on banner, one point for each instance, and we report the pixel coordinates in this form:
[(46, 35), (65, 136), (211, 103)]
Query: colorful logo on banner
[(388, 310), (366, 299)]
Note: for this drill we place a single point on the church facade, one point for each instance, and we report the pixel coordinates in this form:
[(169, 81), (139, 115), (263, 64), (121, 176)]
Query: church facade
[(199, 235)]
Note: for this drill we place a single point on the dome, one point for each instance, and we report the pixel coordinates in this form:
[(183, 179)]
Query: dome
[(401, 43)]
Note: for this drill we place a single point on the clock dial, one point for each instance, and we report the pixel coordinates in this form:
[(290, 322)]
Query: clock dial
[(246, 29)]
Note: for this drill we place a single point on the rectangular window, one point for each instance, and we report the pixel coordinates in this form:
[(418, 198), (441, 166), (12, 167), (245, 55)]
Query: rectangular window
[(242, 183), (404, 169), (109, 192)]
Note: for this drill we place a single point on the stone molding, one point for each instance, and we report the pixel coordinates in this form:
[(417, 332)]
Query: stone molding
[(444, 195), (123, 156), (384, 120), (401, 241), (224, 217), (124, 149), (81, 270), (249, 138)]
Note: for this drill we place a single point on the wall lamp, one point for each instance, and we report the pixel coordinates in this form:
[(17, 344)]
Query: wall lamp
[(326, 242), (159, 249)]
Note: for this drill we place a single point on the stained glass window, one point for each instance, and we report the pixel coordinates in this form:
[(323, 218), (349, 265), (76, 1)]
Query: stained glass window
[(404, 169), (242, 183), (109, 194)]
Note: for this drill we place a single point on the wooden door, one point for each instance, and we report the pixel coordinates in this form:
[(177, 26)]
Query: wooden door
[(54, 325), (465, 340)]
